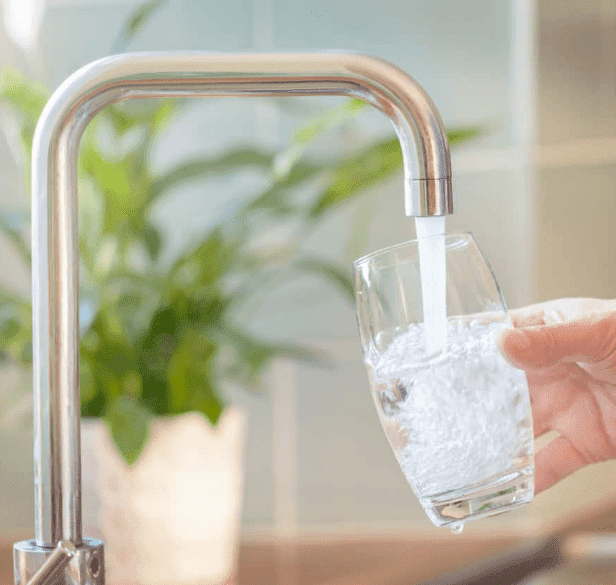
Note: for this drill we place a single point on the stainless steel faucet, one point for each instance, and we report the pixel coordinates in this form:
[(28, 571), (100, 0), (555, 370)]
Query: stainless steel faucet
[(59, 554)]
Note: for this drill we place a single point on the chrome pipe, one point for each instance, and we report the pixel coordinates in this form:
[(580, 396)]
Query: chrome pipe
[(65, 564), (55, 279), (56, 561), (427, 182)]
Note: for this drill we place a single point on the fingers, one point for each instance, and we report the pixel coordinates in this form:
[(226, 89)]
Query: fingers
[(484, 318), (550, 392), (541, 423), (565, 309), (590, 341), (555, 462), (560, 311), (527, 316)]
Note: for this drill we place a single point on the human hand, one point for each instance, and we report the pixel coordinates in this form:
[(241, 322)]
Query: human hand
[(568, 349)]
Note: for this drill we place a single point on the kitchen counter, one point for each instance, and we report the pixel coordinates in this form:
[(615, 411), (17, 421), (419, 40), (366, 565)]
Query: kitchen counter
[(388, 559)]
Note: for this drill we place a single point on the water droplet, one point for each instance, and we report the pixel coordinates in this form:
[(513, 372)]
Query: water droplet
[(457, 527)]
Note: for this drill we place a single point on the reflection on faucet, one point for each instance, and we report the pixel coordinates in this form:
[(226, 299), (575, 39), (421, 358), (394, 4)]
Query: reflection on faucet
[(427, 184)]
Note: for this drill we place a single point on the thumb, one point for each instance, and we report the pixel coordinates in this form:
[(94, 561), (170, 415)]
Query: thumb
[(589, 341)]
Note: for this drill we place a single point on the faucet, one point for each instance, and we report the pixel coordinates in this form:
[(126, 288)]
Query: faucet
[(59, 554)]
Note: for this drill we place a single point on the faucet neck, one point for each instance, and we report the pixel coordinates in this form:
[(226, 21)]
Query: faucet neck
[(427, 183)]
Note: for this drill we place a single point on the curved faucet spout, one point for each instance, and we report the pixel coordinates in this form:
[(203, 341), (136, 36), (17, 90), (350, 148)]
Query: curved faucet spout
[(427, 183)]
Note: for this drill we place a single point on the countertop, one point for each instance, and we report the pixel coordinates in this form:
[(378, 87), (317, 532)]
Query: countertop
[(395, 559), (390, 560)]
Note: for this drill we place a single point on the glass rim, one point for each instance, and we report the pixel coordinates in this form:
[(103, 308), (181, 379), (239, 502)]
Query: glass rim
[(387, 250)]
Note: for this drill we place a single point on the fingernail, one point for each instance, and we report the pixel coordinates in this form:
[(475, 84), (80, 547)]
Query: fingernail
[(514, 346), (518, 342)]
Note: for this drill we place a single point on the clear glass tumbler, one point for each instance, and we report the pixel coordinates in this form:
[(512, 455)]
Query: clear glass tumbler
[(456, 414)]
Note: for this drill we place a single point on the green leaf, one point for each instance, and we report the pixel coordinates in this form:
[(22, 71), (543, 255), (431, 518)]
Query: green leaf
[(25, 96), (8, 297), (190, 377), (153, 240), (163, 114), (197, 169), (205, 264), (135, 22), (154, 354), (133, 300), (276, 197), (132, 384), (128, 420), (91, 214), (121, 119), (332, 118), (330, 272), (358, 172), (15, 329), (87, 380), (370, 166), (204, 308), (125, 116), (252, 356), (121, 198), (457, 136), (27, 99)]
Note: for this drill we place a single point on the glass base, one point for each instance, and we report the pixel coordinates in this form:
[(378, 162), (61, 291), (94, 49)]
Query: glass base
[(495, 496)]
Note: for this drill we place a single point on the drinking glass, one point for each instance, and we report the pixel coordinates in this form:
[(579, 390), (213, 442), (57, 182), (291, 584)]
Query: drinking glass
[(456, 414)]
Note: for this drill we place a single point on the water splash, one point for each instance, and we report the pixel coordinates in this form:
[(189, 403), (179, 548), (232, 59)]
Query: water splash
[(457, 527)]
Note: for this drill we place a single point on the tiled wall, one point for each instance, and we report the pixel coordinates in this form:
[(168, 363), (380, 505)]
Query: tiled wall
[(475, 60)]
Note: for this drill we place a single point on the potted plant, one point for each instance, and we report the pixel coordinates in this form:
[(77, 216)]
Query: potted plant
[(158, 337)]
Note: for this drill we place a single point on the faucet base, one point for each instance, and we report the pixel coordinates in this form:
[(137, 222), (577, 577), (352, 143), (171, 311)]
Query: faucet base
[(87, 567)]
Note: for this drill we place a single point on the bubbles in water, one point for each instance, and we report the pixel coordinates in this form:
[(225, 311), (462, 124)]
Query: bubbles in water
[(457, 527), (465, 413)]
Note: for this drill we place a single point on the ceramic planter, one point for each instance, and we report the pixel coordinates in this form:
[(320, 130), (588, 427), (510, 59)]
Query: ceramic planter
[(174, 516)]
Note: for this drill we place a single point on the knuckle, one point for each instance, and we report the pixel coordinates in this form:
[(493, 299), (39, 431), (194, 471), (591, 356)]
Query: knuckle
[(605, 348), (549, 345)]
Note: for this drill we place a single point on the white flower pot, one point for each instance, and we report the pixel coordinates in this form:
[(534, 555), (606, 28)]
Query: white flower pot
[(174, 516)]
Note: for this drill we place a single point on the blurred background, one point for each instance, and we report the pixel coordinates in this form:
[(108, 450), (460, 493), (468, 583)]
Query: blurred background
[(537, 188)]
